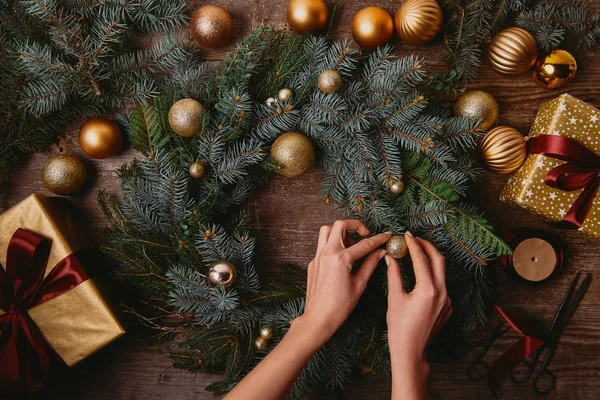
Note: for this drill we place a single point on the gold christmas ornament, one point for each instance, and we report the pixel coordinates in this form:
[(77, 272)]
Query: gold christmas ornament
[(184, 117), (418, 21), (512, 51), (396, 247), (266, 333), (306, 16), (372, 27), (285, 94), (64, 174), (479, 105), (212, 26), (554, 70), (503, 150), (221, 273), (100, 138), (260, 344), (396, 186), (197, 169), (330, 81), (271, 102), (294, 152)]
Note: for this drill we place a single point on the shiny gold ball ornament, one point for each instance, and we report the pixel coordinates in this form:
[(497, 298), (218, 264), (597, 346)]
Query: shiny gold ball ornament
[(478, 105), (396, 185), (212, 26), (396, 247), (372, 27), (285, 94), (100, 138), (330, 81), (294, 152), (306, 16), (184, 117), (64, 174), (266, 333), (197, 169), (418, 21), (221, 273), (503, 150), (512, 51), (554, 70), (271, 102), (260, 344)]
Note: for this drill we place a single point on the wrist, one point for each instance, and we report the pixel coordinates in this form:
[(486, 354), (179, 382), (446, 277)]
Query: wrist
[(409, 360), (318, 331)]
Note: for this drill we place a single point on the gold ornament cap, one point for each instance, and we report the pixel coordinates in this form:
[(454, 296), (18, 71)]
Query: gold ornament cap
[(306, 16), (100, 138), (503, 150), (221, 273), (372, 27), (197, 169), (396, 247), (479, 105), (555, 70), (184, 116), (294, 152), (512, 51), (330, 81), (64, 174), (418, 21), (212, 26)]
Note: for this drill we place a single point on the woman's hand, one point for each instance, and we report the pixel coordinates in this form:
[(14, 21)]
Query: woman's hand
[(332, 289)]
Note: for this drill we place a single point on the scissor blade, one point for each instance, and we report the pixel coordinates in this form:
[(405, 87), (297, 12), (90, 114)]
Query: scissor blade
[(555, 328), (577, 297)]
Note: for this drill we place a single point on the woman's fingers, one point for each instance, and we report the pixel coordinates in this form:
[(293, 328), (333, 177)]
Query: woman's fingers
[(324, 233), (366, 246), (339, 229), (438, 264), (368, 266), (419, 260), (394, 275)]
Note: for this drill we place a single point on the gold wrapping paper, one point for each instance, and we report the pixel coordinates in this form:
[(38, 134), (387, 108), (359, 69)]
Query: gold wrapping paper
[(79, 322), (566, 116)]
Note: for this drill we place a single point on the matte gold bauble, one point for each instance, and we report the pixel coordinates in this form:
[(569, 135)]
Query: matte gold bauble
[(212, 26), (100, 138), (478, 105), (554, 70), (64, 174), (418, 21), (285, 94), (306, 16), (184, 117), (260, 344), (512, 51), (372, 27), (396, 247), (503, 150), (221, 273), (396, 186), (266, 333), (330, 81), (197, 169), (294, 152)]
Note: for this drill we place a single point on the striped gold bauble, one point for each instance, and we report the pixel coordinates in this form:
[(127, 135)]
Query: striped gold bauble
[(418, 21), (513, 51), (503, 150)]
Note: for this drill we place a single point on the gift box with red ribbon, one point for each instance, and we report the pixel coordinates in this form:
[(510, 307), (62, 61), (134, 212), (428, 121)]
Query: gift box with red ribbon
[(51, 312), (561, 175)]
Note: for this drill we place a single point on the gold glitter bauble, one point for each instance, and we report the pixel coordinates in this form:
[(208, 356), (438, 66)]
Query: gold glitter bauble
[(260, 344), (221, 273), (396, 247), (372, 27), (64, 174), (197, 169), (294, 152), (306, 16), (479, 105), (100, 138), (418, 21), (212, 26), (285, 94), (330, 81), (184, 117), (503, 150), (396, 186), (512, 51), (266, 333), (554, 70)]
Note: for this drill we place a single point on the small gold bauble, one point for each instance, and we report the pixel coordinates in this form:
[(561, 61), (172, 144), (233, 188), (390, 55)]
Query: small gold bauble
[(396, 247), (396, 186), (306, 16), (197, 169), (330, 81), (418, 21), (266, 333), (100, 138), (372, 27), (260, 344), (184, 117), (271, 102), (212, 26), (294, 152), (285, 94), (64, 174), (503, 150), (221, 273), (554, 70), (479, 105), (512, 51)]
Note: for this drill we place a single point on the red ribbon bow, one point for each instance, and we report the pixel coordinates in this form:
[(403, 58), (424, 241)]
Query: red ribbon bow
[(25, 355), (581, 170)]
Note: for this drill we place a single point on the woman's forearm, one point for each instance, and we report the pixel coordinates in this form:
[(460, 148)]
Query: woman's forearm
[(409, 377)]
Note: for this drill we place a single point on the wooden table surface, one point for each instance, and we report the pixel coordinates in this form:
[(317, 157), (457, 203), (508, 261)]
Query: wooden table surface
[(286, 217)]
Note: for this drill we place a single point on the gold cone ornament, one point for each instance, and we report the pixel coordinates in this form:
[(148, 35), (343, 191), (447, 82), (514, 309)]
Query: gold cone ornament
[(184, 117), (306, 16), (503, 150), (479, 105), (100, 138), (512, 51), (555, 69), (64, 174), (372, 27), (212, 26), (418, 21), (294, 152)]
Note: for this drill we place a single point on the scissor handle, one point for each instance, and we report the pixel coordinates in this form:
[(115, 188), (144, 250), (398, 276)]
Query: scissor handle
[(547, 385), (518, 374), (477, 370)]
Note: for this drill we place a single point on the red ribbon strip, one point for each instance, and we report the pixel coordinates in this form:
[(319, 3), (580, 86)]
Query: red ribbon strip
[(25, 355), (581, 170)]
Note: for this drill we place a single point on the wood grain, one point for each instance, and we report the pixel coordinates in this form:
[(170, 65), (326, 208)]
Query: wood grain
[(286, 217)]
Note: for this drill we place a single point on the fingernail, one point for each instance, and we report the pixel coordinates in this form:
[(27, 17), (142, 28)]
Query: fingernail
[(382, 253), (388, 260), (407, 233)]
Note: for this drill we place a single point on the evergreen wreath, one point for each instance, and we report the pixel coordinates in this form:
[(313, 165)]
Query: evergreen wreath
[(384, 122)]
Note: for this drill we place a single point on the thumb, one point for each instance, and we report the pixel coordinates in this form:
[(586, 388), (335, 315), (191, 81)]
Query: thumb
[(368, 266), (395, 287)]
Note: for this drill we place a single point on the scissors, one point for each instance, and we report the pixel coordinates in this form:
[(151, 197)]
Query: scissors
[(478, 368), (522, 369)]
